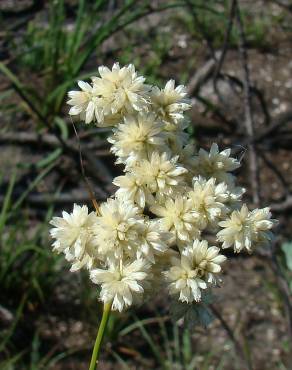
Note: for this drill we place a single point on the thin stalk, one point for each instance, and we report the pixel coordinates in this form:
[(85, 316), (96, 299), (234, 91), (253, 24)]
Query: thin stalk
[(100, 334)]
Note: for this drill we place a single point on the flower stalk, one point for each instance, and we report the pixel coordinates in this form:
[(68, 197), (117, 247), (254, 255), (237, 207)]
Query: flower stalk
[(100, 335)]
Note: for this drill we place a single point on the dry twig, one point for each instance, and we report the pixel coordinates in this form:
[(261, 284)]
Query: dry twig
[(225, 46), (249, 122)]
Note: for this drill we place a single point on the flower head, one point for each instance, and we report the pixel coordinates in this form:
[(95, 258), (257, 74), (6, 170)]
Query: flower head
[(262, 223), (120, 91), (207, 260), (121, 284), (152, 240), (160, 173), (136, 136), (115, 93), (170, 103), (83, 102), (132, 187), (73, 234), (246, 229), (178, 217), (194, 270), (116, 229), (208, 199), (216, 164)]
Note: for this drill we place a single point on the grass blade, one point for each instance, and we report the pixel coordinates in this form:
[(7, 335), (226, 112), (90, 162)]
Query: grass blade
[(154, 347), (8, 364), (6, 203), (120, 361), (36, 181), (13, 326), (136, 325), (16, 254)]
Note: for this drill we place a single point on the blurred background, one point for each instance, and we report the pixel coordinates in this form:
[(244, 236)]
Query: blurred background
[(235, 59)]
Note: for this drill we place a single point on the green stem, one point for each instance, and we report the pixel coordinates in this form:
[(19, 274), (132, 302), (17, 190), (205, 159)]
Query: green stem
[(100, 334)]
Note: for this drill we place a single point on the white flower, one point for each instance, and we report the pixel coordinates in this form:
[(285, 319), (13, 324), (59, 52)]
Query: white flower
[(261, 224), (120, 91), (216, 164), (170, 102), (161, 173), (132, 188), (74, 237), (121, 283), (236, 231), (152, 240), (178, 217), (184, 281), (115, 93), (206, 259), (193, 271), (83, 102), (246, 229), (208, 199), (137, 135), (116, 229)]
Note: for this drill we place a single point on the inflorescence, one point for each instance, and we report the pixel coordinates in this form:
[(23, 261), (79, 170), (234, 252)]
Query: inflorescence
[(170, 201)]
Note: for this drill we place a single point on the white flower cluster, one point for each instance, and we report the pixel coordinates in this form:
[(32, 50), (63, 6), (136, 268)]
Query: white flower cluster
[(169, 200)]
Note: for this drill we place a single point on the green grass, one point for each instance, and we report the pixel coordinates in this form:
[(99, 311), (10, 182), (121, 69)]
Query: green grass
[(210, 19), (52, 57), (27, 268), (29, 272), (172, 346)]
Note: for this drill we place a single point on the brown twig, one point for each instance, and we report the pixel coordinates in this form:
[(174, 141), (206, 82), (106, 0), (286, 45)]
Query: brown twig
[(282, 206), (78, 196), (249, 122), (46, 140), (254, 91), (95, 167), (284, 289), (201, 76), (276, 171), (225, 46), (85, 178)]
